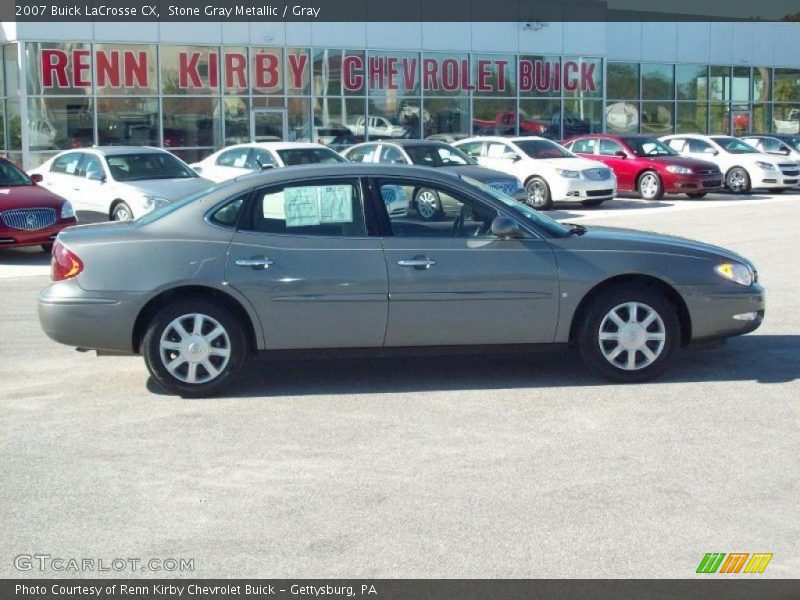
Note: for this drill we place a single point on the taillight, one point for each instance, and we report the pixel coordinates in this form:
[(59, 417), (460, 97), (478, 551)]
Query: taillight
[(64, 264)]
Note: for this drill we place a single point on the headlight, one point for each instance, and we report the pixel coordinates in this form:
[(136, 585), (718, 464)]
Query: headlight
[(736, 272), (153, 202), (680, 170), (568, 174), (766, 166), (67, 212)]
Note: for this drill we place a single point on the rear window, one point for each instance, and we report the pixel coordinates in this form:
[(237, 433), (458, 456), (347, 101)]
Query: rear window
[(309, 156)]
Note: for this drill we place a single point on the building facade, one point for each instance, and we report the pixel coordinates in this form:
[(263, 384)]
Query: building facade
[(196, 87)]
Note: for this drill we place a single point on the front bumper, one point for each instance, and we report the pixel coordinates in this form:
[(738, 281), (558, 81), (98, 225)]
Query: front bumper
[(579, 190), (679, 184), (91, 320), (19, 238), (773, 179), (712, 310)]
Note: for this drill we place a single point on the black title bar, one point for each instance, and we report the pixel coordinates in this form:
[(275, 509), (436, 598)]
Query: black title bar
[(399, 10)]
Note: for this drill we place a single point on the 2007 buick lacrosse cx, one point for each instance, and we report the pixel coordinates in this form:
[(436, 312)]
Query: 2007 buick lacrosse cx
[(310, 259)]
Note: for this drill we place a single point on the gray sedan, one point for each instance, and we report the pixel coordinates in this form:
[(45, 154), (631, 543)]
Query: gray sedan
[(303, 260)]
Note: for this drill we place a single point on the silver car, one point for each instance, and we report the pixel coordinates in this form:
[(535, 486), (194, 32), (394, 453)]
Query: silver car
[(309, 259)]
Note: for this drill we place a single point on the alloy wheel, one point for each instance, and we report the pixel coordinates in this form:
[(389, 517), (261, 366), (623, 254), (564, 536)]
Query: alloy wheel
[(537, 193), (121, 213), (427, 204), (648, 186), (737, 181), (632, 336), (195, 348)]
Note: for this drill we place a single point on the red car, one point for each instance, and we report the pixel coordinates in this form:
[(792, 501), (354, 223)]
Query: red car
[(29, 214), (645, 165)]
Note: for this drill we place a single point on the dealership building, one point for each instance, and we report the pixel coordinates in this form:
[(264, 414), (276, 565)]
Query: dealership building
[(196, 87)]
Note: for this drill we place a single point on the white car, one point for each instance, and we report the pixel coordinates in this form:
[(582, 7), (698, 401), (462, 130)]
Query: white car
[(549, 172), (379, 127), (119, 182), (242, 159), (743, 167)]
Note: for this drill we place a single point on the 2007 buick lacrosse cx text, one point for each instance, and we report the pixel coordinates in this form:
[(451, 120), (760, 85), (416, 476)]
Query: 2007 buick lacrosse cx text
[(309, 259)]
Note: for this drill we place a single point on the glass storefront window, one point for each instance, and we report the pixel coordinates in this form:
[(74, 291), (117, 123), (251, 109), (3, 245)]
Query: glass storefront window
[(235, 71), (189, 70), (192, 155), (719, 118), (298, 71), (444, 74), (125, 69), (762, 118), (128, 121), (658, 82), (692, 82), (493, 75), (237, 120), (740, 84), (720, 84), (13, 125), (580, 117), (692, 117), (392, 118), (11, 69), (762, 78), (339, 72), (266, 71), (787, 85), (191, 122), (2, 130), (446, 115), (541, 116), (58, 123), (582, 77), (623, 81), (786, 118), (495, 116), (394, 74), (56, 68), (335, 120), (657, 117), (298, 113), (622, 117)]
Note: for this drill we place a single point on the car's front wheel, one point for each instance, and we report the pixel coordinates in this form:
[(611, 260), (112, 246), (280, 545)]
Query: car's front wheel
[(650, 186), (195, 348), (737, 180), (538, 194), (628, 334), (122, 212)]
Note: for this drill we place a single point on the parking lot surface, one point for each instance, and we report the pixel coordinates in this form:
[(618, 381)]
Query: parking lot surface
[(451, 467)]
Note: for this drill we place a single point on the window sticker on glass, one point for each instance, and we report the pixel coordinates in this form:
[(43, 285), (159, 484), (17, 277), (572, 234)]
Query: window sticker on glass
[(315, 205), (240, 161)]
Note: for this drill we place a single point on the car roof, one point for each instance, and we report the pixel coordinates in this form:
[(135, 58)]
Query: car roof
[(116, 150), (281, 145)]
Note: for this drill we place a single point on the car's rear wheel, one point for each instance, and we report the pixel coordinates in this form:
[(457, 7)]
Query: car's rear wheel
[(696, 195), (428, 204), (195, 347), (628, 334), (537, 193), (121, 212), (47, 248), (737, 180), (650, 186)]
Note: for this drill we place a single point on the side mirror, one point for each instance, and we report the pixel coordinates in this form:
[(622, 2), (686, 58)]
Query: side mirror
[(620, 154), (37, 178), (785, 151), (96, 176), (512, 156), (505, 228)]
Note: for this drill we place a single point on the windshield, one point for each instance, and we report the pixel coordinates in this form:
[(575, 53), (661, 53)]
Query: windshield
[(794, 142), (648, 147), (11, 176), (436, 155), (147, 165), (525, 213), (732, 145), (309, 156), (543, 149)]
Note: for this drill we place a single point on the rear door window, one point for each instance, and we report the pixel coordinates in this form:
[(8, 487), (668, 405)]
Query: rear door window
[(67, 163)]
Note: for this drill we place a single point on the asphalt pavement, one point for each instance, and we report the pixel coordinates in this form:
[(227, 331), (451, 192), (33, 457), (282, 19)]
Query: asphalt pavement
[(448, 467)]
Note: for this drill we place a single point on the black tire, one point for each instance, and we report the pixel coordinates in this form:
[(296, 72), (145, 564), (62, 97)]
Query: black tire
[(592, 202), (776, 190), (537, 186), (737, 180), (696, 195), (432, 204), (649, 186), (236, 345), (121, 212), (48, 248), (594, 317)]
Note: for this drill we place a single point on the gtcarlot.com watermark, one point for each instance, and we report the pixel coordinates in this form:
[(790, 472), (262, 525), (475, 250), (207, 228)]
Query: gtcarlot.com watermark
[(60, 564)]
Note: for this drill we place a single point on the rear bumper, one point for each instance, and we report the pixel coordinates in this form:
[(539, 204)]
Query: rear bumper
[(91, 320), (724, 311)]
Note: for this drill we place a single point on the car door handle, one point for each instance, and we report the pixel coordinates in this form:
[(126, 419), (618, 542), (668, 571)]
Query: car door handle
[(418, 262), (259, 264)]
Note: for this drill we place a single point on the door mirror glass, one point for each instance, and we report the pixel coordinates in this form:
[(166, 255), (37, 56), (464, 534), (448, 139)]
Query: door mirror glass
[(506, 228), (512, 156), (620, 154), (37, 178), (96, 176)]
